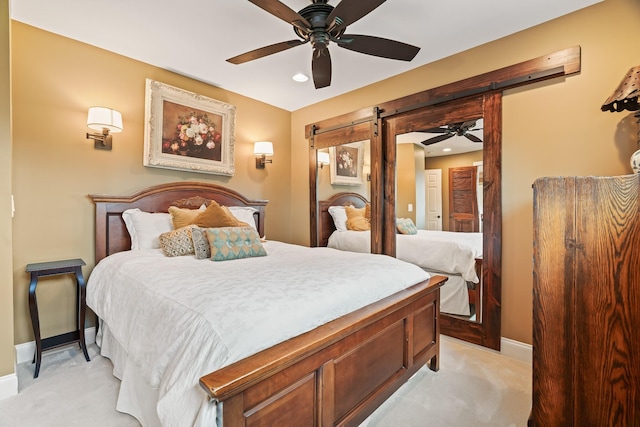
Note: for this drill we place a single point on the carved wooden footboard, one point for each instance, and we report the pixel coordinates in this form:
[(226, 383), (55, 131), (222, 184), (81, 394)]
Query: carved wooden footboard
[(336, 374)]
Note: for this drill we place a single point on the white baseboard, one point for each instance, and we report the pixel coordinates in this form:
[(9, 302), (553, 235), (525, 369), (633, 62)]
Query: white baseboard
[(8, 386), (516, 350), (25, 351), (508, 348)]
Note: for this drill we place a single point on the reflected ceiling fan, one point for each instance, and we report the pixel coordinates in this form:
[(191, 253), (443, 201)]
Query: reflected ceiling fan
[(321, 23), (451, 130)]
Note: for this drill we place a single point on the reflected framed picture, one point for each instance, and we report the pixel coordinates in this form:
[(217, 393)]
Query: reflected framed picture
[(186, 131), (346, 164)]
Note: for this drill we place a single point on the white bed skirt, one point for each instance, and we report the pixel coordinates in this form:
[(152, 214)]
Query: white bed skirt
[(136, 397), (454, 295)]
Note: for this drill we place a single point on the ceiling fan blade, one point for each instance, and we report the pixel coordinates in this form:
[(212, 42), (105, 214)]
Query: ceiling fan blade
[(349, 11), (284, 12), (378, 46), (265, 51), (437, 139), (321, 68), (472, 137)]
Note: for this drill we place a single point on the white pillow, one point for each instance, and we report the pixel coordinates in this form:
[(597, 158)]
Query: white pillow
[(244, 214), (145, 228), (339, 215)]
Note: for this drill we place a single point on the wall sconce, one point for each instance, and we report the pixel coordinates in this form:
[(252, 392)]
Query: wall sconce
[(262, 149), (105, 120), (625, 97), (323, 158)]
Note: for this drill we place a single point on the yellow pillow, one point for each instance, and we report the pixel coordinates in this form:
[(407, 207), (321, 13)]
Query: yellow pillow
[(181, 217), (215, 216), (356, 219)]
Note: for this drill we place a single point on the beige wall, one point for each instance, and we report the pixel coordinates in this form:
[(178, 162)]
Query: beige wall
[(406, 181), (55, 80), (551, 128), (6, 290)]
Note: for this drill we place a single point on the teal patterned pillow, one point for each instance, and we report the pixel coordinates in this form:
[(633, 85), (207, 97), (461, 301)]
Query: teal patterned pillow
[(406, 226), (233, 243)]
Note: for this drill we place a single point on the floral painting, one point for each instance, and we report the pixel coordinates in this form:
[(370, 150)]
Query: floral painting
[(346, 163), (187, 131)]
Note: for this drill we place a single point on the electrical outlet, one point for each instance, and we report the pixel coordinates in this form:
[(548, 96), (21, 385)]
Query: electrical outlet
[(410, 207)]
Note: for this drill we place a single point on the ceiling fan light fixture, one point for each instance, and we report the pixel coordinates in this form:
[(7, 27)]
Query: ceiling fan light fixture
[(300, 77), (320, 23)]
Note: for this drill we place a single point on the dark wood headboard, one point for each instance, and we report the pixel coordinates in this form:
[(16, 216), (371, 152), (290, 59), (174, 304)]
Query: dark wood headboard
[(111, 233), (326, 225)]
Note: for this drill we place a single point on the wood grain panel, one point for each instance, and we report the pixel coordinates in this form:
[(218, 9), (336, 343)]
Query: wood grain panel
[(424, 330), (293, 406), (607, 316), (553, 256), (367, 367), (586, 346)]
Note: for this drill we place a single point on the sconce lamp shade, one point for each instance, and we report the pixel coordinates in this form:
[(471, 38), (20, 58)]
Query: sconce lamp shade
[(263, 147), (625, 97), (100, 118), (323, 158)]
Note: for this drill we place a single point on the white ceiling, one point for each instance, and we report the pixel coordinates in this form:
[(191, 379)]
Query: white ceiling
[(194, 38)]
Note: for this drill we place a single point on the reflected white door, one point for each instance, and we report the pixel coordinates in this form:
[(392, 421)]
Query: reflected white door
[(433, 198)]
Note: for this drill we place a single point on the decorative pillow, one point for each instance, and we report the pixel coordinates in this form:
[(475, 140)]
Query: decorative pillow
[(228, 243), (406, 226), (182, 217), (356, 219), (339, 216), (178, 242), (215, 216), (200, 243), (244, 214), (238, 222), (145, 227)]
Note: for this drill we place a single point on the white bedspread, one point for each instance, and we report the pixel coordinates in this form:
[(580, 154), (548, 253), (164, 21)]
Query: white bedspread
[(180, 318), (445, 251)]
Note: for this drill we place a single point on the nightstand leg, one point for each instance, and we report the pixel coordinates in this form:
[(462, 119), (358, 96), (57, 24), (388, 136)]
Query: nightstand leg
[(33, 310), (82, 308)]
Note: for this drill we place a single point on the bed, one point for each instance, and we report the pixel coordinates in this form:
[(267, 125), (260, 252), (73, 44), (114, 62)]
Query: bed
[(327, 371), (458, 256)]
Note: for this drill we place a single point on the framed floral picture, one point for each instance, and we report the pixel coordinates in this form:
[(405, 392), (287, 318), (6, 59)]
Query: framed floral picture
[(187, 131), (346, 164)]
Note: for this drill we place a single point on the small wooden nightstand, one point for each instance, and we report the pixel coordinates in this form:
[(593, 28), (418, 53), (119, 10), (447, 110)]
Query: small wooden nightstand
[(54, 268)]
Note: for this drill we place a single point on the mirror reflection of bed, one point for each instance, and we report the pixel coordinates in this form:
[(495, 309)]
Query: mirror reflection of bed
[(439, 188), (439, 253)]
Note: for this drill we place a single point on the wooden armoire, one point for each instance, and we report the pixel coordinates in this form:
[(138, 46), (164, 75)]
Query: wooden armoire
[(586, 302)]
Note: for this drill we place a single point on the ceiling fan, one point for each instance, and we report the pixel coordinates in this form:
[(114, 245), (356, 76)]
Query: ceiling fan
[(321, 23), (451, 130)]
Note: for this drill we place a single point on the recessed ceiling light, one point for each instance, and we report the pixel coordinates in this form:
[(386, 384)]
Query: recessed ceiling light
[(299, 77), (446, 149)]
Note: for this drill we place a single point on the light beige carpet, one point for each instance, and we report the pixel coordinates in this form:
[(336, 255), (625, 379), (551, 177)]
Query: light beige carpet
[(474, 387)]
